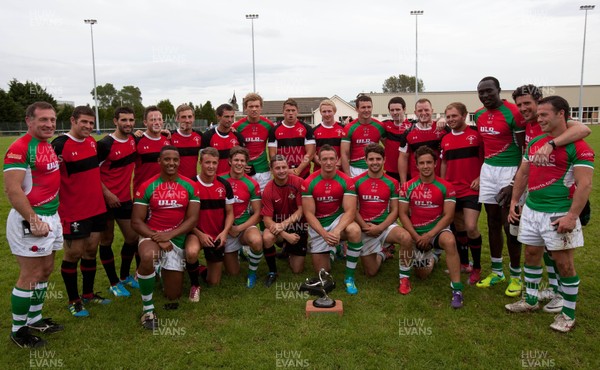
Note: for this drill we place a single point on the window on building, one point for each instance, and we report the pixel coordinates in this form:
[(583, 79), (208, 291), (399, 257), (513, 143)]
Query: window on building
[(590, 114)]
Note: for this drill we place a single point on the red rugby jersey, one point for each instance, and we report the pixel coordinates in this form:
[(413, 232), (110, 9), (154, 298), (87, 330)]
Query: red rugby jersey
[(375, 195), (328, 194), (532, 130), (223, 142), (245, 191), (426, 201), (415, 137), (359, 136), (146, 163), (117, 160), (393, 134), (328, 135), (42, 177), (291, 141), (80, 187), (280, 202), (256, 135), (214, 196), (188, 146), (463, 152)]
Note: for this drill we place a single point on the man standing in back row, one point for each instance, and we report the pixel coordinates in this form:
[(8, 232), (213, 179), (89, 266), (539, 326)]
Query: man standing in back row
[(502, 130), (255, 130), (358, 134), (82, 209)]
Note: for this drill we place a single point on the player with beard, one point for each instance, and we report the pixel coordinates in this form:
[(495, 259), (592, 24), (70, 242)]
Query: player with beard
[(462, 157), (116, 154)]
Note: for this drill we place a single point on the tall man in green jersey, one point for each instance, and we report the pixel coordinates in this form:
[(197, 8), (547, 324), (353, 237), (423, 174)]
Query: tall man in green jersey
[(558, 192)]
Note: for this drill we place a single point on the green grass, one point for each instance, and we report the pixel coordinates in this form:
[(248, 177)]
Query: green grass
[(234, 327)]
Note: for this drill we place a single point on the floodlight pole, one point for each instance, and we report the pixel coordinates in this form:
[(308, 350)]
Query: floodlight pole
[(92, 22), (416, 13), (586, 8), (252, 17)]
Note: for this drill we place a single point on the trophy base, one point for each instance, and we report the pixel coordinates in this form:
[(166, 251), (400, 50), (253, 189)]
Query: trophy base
[(337, 308)]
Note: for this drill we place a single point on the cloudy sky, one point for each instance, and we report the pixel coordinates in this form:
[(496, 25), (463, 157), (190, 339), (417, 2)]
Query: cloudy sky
[(199, 50)]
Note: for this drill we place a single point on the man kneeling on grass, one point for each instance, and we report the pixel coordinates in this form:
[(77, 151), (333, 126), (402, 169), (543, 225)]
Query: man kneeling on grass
[(426, 211), (171, 205)]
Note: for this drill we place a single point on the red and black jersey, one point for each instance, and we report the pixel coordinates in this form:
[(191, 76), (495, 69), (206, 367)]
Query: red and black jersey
[(223, 142), (291, 141), (415, 137), (281, 201), (328, 135), (80, 188), (146, 163), (188, 146), (213, 198), (463, 153), (393, 134), (117, 160)]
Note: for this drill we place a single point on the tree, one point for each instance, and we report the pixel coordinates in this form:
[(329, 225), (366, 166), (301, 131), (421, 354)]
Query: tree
[(208, 113), (27, 93), (107, 95), (167, 109), (129, 96), (9, 110), (401, 84)]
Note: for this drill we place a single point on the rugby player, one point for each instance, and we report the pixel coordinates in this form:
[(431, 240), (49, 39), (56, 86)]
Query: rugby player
[(187, 141), (165, 209), (33, 227), (82, 209), (329, 206), (394, 128), (148, 147), (557, 193), (222, 137), (426, 211), (377, 210), (329, 131)]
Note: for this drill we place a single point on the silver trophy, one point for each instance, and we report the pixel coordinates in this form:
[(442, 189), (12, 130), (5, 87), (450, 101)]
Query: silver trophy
[(320, 286)]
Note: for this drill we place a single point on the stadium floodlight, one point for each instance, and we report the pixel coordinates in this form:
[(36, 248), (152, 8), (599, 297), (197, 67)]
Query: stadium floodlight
[(416, 13), (252, 17), (586, 8), (92, 22)]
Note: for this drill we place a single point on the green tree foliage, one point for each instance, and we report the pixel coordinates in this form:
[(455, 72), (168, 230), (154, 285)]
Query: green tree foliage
[(10, 111), (167, 109), (208, 113), (401, 84), (107, 95), (24, 94)]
